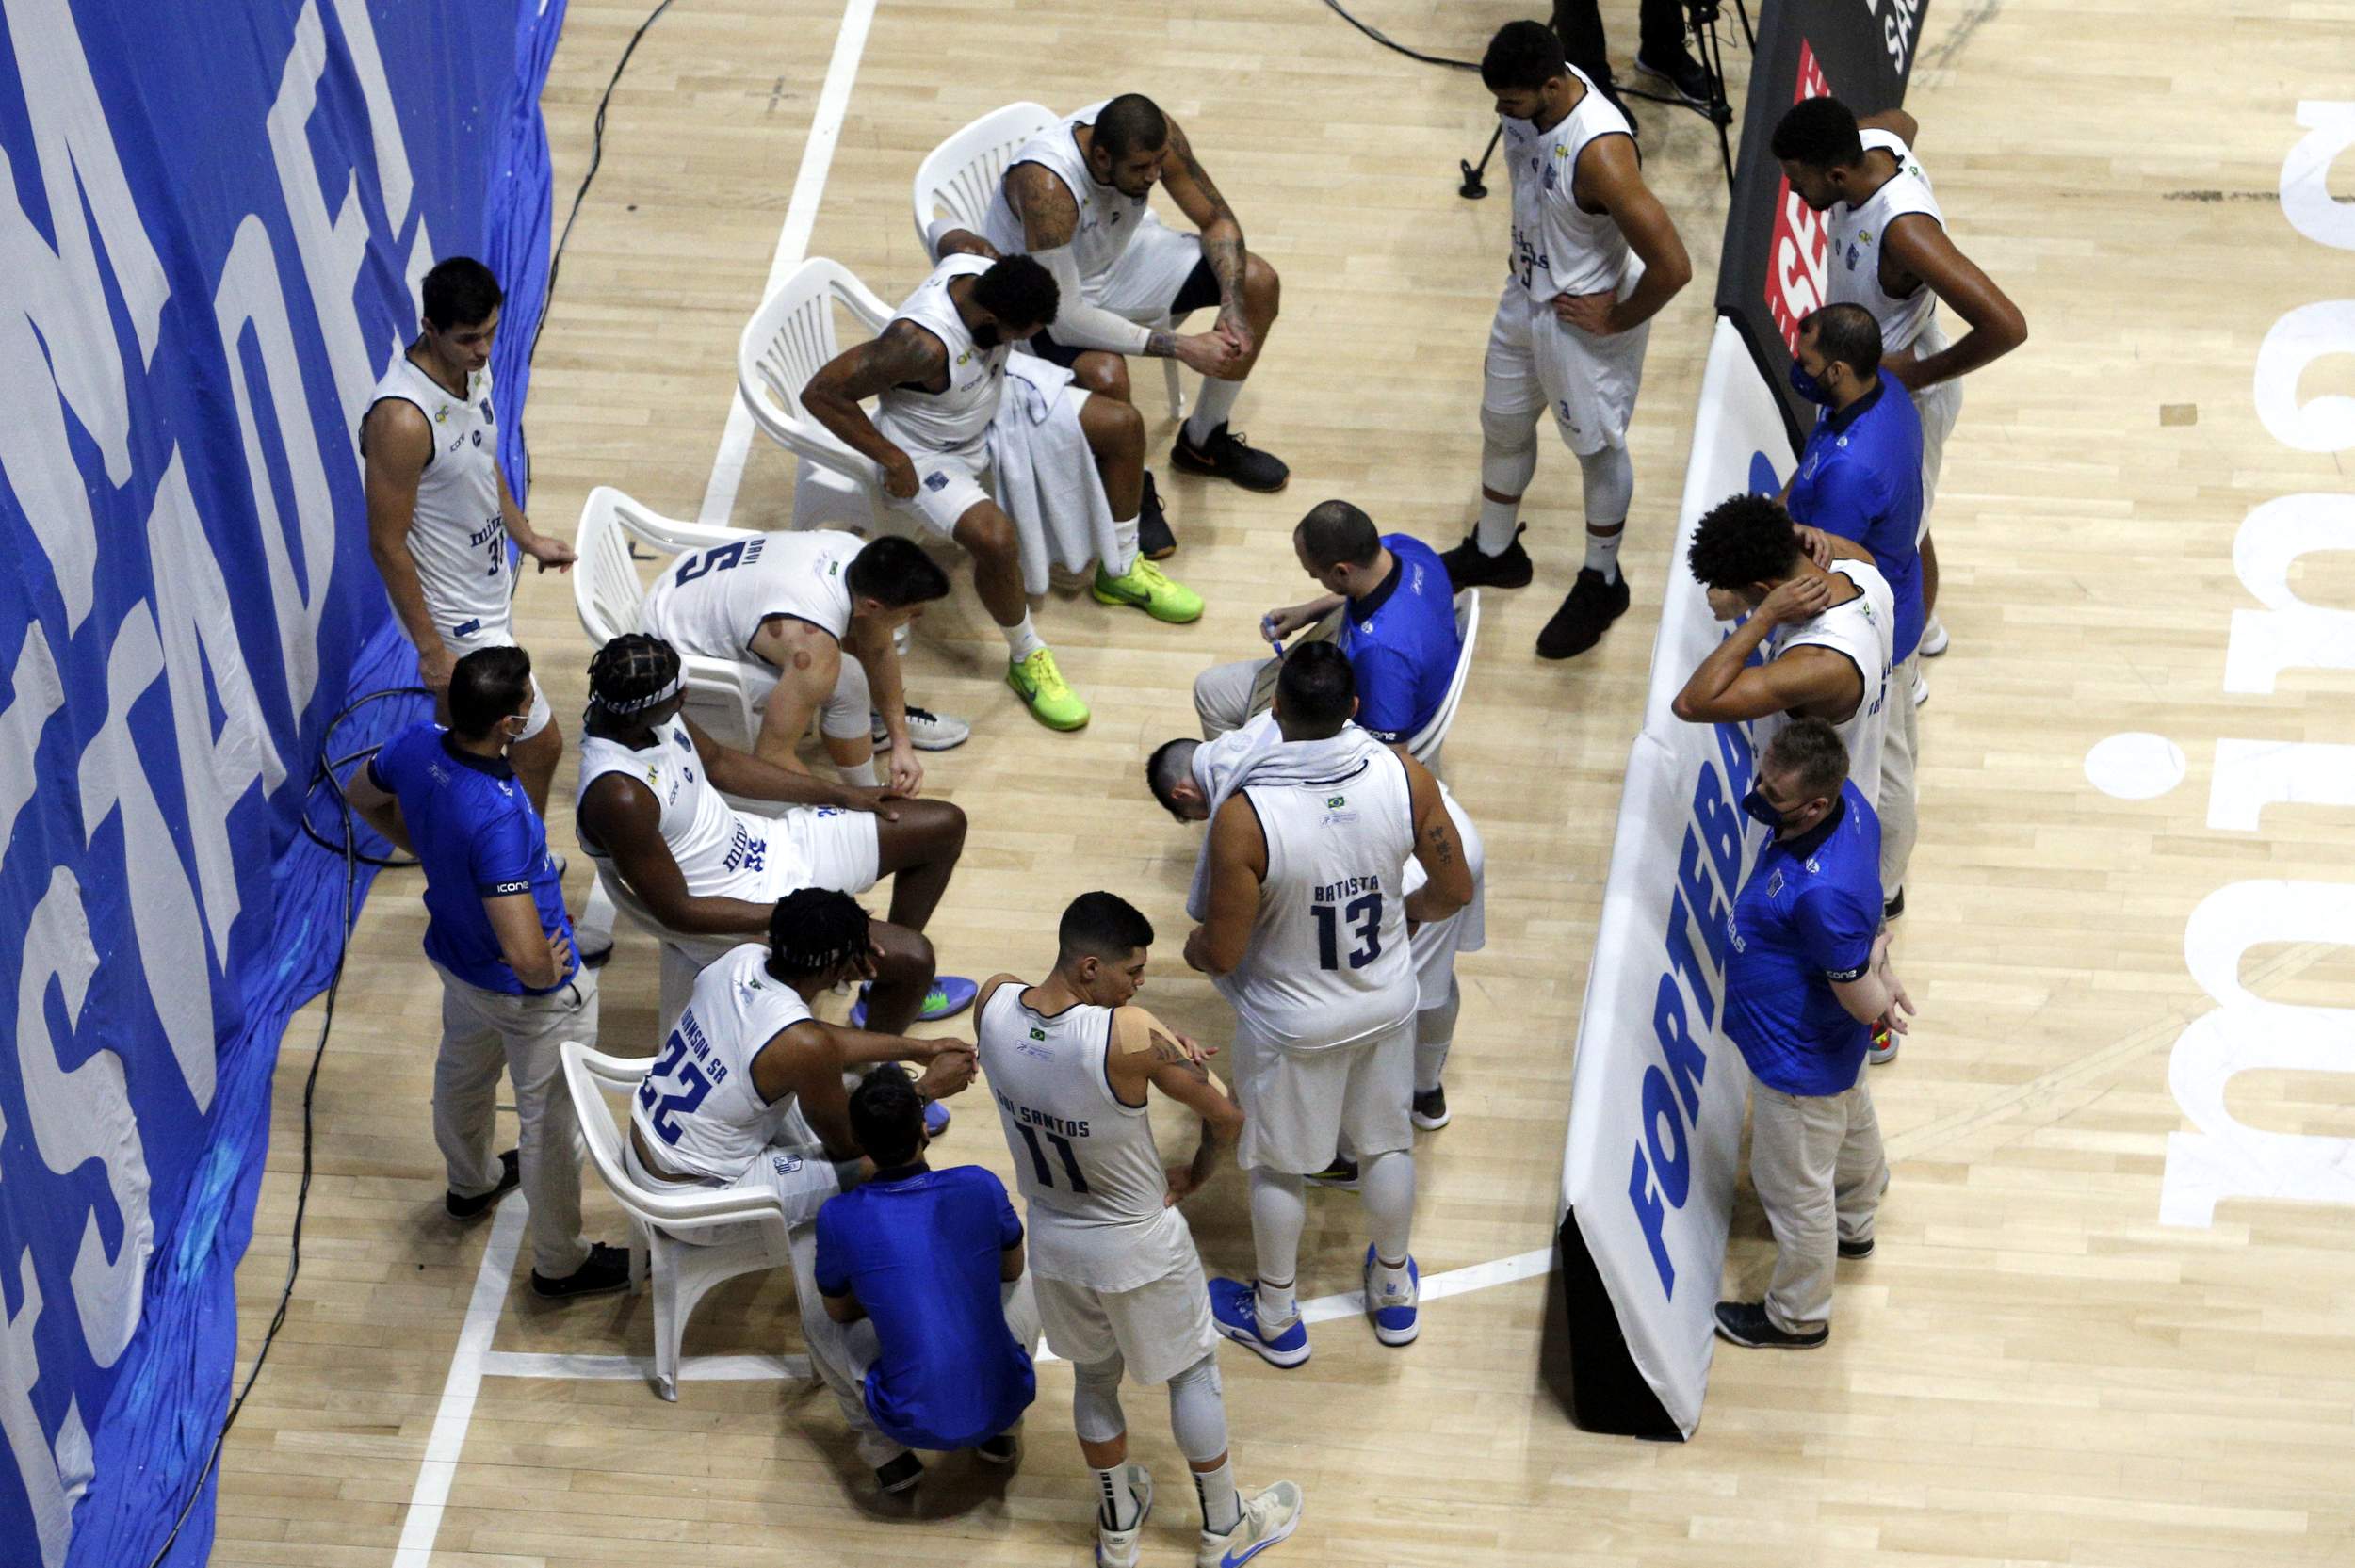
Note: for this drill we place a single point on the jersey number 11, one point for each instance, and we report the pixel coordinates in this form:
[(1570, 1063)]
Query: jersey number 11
[(1063, 1151)]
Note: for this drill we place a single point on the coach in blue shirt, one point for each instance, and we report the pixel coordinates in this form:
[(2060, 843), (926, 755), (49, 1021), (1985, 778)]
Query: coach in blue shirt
[(1861, 478), (1389, 605), (923, 1268), (1807, 982), (512, 988)]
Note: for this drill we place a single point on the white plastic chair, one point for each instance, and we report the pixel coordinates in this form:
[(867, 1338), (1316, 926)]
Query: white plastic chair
[(1425, 743), (785, 342), (959, 178), (683, 1272)]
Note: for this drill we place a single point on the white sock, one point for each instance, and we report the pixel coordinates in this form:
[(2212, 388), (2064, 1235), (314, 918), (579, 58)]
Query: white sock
[(1602, 550), (1277, 1306), (862, 774), (1124, 558), (1497, 519), (1221, 1510), (1021, 639), (1117, 1506), (1213, 403)]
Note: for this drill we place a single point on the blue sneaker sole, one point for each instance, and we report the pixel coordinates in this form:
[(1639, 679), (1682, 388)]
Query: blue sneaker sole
[(1283, 1359)]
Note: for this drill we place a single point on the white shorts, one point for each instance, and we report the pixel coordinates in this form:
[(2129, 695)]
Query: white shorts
[(1300, 1105), (794, 1171), (1536, 362), (503, 636), (1159, 1329), (1939, 406), (947, 485), (1150, 273), (842, 849)]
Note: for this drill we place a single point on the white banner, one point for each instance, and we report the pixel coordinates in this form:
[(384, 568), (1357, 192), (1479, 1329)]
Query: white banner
[(1656, 1103)]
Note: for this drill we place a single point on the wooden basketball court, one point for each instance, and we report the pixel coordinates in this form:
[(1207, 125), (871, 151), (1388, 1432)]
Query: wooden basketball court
[(2032, 1369)]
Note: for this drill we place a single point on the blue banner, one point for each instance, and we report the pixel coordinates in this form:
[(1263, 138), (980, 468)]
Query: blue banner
[(212, 219)]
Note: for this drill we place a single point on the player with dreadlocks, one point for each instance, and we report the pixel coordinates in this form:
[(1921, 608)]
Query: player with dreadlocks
[(653, 813)]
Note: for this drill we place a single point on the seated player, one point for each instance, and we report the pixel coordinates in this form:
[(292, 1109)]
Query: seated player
[(651, 813), (795, 600), (1074, 196), (937, 371)]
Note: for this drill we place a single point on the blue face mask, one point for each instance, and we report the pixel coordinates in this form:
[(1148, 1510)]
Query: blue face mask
[(1808, 386), (1756, 806)]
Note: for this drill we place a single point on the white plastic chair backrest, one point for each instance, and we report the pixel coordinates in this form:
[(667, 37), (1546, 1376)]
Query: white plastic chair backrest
[(606, 589), (788, 341), (959, 178), (1467, 634), (671, 535), (587, 1075)]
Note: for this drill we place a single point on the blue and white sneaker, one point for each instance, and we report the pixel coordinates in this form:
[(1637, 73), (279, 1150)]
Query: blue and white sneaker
[(1268, 1518), (949, 996), (936, 1118), (1392, 1309), (1234, 1312)]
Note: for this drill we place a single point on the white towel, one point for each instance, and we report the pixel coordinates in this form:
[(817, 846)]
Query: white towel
[(1259, 753), (1045, 476)]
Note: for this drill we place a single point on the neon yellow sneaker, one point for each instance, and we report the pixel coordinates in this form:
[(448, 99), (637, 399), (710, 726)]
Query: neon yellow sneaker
[(1150, 590), (1037, 682)]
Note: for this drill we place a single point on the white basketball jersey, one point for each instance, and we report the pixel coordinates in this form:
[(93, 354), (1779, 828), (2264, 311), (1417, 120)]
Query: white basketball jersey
[(709, 603), (1328, 964), (456, 534), (721, 851), (1558, 247), (1086, 1164), (698, 1109), (1107, 217), (1863, 630), (1857, 234), (956, 420)]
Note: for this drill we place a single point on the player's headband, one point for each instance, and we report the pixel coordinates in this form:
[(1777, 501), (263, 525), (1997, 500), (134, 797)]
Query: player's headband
[(640, 704)]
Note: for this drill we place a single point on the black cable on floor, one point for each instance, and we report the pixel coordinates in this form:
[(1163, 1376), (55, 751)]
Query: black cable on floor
[(1388, 42)]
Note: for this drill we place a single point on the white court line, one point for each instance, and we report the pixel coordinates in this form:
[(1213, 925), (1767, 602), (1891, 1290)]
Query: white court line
[(801, 217), (530, 1364), (456, 1412)]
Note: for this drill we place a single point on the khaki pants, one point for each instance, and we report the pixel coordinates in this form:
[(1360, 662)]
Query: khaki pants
[(1228, 696), (482, 1032), (1816, 1162), (1901, 741)]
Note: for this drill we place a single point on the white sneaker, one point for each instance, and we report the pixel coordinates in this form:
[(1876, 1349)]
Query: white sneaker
[(1118, 1548), (1268, 1518), (1921, 689), (1934, 639), (926, 731)]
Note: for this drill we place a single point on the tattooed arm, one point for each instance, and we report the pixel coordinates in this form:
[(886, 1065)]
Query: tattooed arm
[(1050, 221), (905, 354), (1189, 185)]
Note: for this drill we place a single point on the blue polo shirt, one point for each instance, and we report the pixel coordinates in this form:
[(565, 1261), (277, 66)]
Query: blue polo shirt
[(1805, 917), (919, 1250), (478, 837), (1400, 642), (1860, 477)]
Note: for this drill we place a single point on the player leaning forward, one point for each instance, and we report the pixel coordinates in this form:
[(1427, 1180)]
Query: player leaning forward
[(1594, 258), (1119, 1284), (938, 373), (1305, 933)]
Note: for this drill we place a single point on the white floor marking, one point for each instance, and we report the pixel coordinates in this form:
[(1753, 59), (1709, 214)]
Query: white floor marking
[(526, 1363), (456, 1412)]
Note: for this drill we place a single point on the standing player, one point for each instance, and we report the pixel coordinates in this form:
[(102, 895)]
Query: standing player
[(1890, 252), (1119, 1284), (938, 372), (1304, 932), (793, 600), (1594, 259), (439, 512), (1074, 198)]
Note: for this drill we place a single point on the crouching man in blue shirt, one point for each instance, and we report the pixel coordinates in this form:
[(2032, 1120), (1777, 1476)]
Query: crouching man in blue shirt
[(922, 1269), (1806, 983)]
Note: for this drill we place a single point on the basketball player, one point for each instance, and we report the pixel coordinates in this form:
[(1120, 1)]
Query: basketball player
[(1594, 259), (651, 809), (1185, 776), (1074, 198), (1890, 252), (938, 370), (793, 600), (1119, 1284), (439, 512), (1304, 932), (747, 1095)]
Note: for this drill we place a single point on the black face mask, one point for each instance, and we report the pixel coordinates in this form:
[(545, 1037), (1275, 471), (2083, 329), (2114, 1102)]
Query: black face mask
[(1808, 386), (1757, 807)]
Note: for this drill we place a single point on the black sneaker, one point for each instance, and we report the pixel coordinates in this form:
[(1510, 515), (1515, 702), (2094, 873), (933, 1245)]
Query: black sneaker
[(1895, 908), (511, 1172), (1584, 616), (1155, 542), (1429, 1111), (1468, 567), (1745, 1323), (899, 1475), (598, 958), (1226, 455), (1343, 1173), (1001, 1449), (608, 1269), (1855, 1252), (1686, 77)]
